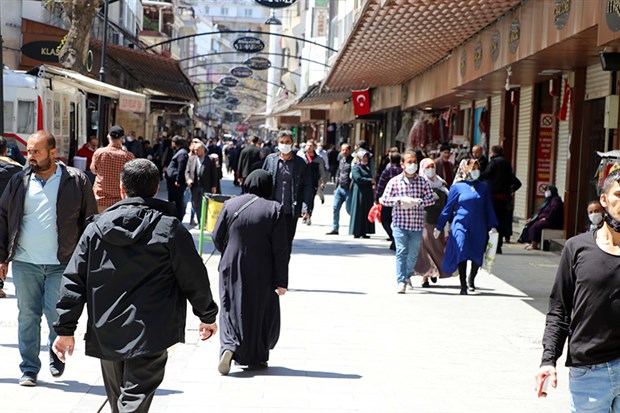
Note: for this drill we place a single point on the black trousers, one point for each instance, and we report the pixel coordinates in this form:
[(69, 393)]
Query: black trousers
[(131, 384), (291, 228), (197, 193), (386, 220), (500, 205), (176, 195)]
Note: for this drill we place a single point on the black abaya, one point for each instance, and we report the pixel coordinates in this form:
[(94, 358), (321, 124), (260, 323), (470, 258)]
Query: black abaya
[(253, 265)]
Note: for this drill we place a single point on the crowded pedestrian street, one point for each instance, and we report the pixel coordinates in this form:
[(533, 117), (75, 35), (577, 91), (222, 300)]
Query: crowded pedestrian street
[(348, 343)]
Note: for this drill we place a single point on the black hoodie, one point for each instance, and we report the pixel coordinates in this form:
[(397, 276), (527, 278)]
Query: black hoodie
[(135, 266)]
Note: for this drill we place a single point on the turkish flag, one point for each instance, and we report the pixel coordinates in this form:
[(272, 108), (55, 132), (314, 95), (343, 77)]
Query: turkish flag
[(361, 102)]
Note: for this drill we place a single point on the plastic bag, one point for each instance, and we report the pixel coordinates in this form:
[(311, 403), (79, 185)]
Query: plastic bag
[(374, 215), (489, 254)]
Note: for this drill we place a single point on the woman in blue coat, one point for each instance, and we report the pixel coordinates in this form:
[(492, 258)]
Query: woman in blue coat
[(470, 207)]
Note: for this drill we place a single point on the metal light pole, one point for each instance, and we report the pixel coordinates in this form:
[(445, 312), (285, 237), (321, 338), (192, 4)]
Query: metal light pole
[(1, 76), (101, 103)]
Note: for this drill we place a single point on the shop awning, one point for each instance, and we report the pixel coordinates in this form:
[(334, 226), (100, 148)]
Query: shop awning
[(315, 98), (394, 40)]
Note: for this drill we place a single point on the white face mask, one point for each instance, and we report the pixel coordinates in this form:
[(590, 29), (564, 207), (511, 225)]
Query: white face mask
[(547, 194), (595, 218), (474, 174), (411, 168), (429, 172), (284, 148)]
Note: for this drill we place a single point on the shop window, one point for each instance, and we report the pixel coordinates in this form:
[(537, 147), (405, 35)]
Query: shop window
[(25, 116), (8, 116)]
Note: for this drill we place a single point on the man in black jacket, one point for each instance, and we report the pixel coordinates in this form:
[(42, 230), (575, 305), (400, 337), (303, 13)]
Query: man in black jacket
[(135, 267), (291, 188), (200, 175), (43, 212), (175, 175), (249, 155)]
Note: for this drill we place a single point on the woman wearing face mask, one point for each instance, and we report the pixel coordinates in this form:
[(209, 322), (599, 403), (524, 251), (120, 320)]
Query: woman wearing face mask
[(431, 254), (550, 215), (470, 207), (361, 197), (596, 214)]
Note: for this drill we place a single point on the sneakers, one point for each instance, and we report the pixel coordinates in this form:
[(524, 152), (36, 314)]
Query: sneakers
[(2, 293), (332, 232), (408, 284), (57, 367), (401, 288), (225, 360), (29, 379), (304, 220), (308, 221)]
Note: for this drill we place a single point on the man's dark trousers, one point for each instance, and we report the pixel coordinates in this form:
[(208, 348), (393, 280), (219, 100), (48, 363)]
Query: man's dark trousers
[(176, 195), (291, 228), (131, 384), (386, 220)]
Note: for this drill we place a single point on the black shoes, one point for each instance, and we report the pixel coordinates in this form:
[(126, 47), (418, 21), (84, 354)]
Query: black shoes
[(258, 366), (29, 379), (470, 283), (425, 284), (434, 280), (57, 367), (332, 232), (463, 291)]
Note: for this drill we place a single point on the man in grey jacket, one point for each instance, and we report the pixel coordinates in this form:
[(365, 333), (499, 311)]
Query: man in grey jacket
[(43, 212)]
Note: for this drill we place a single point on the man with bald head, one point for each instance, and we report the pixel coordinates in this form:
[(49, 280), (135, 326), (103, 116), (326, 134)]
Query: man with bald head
[(478, 154), (43, 212)]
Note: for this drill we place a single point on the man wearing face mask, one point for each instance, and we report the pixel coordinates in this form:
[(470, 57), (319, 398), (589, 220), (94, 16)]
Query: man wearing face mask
[(408, 194), (596, 212), (391, 170), (291, 187), (583, 309)]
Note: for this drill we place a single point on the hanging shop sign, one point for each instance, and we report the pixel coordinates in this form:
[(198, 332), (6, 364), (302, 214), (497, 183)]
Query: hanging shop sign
[(229, 81), (544, 151), (241, 71), (478, 55), (233, 100), (248, 44), (42, 50), (495, 45), (514, 35), (463, 63), (561, 13), (276, 4), (612, 15), (230, 107), (220, 90), (218, 96), (258, 63)]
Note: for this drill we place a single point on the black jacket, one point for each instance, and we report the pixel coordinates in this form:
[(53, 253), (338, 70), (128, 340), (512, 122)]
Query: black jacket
[(8, 168), (175, 171), (498, 175), (135, 267), (302, 187), (208, 177), (249, 155), (74, 205)]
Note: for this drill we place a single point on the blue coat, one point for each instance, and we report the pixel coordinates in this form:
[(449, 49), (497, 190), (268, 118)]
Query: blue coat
[(470, 206)]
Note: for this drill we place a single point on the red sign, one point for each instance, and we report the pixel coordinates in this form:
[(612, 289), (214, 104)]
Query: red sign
[(361, 102), (544, 152)]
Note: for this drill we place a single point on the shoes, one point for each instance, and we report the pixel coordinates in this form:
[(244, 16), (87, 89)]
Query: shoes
[(499, 250), (308, 221), (507, 240), (332, 232), (258, 366), (393, 246), (2, 293), (365, 236), (463, 291), (225, 360), (192, 223), (57, 367), (401, 288), (304, 220), (29, 379), (434, 280), (408, 284), (425, 284)]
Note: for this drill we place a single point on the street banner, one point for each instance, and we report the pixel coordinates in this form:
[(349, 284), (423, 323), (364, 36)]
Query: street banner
[(361, 102)]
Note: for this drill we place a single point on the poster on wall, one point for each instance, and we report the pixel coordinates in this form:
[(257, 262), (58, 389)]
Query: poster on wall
[(544, 152)]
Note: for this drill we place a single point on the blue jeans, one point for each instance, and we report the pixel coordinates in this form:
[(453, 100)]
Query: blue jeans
[(407, 249), (37, 288), (595, 388), (341, 196)]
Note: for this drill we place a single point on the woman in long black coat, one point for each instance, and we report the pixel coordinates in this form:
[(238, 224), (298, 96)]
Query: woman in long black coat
[(253, 273), (362, 197)]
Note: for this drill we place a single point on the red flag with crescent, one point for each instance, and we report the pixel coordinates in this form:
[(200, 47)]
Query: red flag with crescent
[(361, 102)]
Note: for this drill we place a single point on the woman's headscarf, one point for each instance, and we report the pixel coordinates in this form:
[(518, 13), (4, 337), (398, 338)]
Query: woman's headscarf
[(258, 183), (465, 168), (554, 192), (436, 181)]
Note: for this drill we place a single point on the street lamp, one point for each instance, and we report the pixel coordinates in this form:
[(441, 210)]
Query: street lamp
[(101, 101), (273, 20)]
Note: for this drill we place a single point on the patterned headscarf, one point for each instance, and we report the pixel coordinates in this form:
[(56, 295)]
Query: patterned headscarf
[(437, 181), (465, 167), (358, 156), (425, 164)]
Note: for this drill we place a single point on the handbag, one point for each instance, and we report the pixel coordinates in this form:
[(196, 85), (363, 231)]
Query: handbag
[(374, 215), (524, 238), (235, 215)]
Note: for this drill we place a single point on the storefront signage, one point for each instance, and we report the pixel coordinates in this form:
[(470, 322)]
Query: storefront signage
[(612, 15), (233, 100), (276, 4), (229, 81), (514, 36), (544, 151), (129, 103), (218, 96), (241, 71), (42, 50), (463, 63), (561, 13), (495, 45), (248, 44), (221, 90), (477, 55), (258, 63)]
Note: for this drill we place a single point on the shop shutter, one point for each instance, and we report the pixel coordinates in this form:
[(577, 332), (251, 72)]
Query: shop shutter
[(496, 115), (523, 151), (562, 152), (598, 82)]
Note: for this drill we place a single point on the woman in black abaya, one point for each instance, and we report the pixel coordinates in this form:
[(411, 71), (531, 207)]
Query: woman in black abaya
[(253, 273)]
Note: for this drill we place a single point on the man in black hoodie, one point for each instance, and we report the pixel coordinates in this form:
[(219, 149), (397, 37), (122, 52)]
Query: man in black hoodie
[(135, 266)]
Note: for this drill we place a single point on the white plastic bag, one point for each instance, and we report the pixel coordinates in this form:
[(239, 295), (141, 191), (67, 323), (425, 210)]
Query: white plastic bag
[(489, 254)]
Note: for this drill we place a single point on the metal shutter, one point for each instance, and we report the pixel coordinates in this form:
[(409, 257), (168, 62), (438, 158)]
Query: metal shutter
[(496, 115), (562, 151), (598, 82), (523, 151)]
